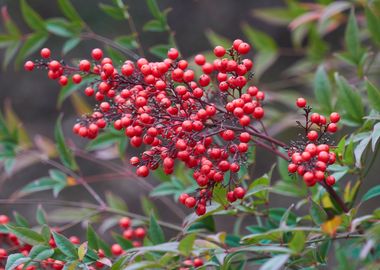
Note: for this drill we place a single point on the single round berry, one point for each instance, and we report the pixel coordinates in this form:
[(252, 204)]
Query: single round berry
[(330, 180), (243, 48), (219, 51), (312, 135), (334, 117), (173, 54), (301, 102), (45, 53), (142, 171), (190, 202), (97, 54), (29, 65)]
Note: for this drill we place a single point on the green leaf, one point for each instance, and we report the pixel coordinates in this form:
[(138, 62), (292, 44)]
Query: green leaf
[(82, 251), (186, 244), (64, 245), (297, 243), (31, 45), (154, 26), (375, 136), (154, 9), (260, 40), (373, 95), (70, 44), (323, 90), (15, 260), (373, 24), (65, 153), (114, 12), (127, 41), (160, 50), (92, 238), (318, 214), (124, 243), (40, 253), (216, 39), (115, 202), (334, 8), (373, 192), (275, 263), (32, 18), (10, 52), (276, 16), (148, 207), (69, 11), (26, 235), (166, 188), (20, 220), (59, 27), (359, 150), (155, 233), (349, 101), (41, 215), (352, 39), (41, 184), (70, 88)]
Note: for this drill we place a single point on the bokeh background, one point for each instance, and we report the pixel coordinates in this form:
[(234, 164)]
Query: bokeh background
[(33, 96)]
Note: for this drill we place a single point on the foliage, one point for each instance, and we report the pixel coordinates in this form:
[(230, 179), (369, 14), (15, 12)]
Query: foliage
[(339, 75)]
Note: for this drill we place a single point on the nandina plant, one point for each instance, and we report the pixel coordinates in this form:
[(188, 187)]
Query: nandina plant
[(198, 125)]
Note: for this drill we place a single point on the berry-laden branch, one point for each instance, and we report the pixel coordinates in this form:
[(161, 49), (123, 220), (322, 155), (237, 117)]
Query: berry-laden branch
[(181, 118)]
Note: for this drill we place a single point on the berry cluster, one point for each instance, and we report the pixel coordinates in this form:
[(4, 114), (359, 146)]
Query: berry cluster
[(180, 117), (311, 156), (189, 263)]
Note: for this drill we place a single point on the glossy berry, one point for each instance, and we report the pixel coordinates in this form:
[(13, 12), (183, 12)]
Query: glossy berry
[(301, 102), (312, 135), (45, 53), (334, 117)]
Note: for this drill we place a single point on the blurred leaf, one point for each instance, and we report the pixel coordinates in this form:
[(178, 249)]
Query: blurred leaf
[(10, 52), (115, 202), (375, 136), (275, 263), (359, 150), (127, 41), (163, 189), (32, 44), (40, 253), (41, 215), (352, 39), (59, 27), (330, 226), (373, 95), (64, 245), (80, 105), (317, 213), (219, 195), (9, 25), (82, 250), (70, 44), (160, 50), (155, 233), (373, 192), (330, 11), (112, 11), (20, 220), (373, 24), (69, 11), (154, 9), (350, 101), (64, 151), (277, 16), (14, 260), (148, 207), (323, 90), (44, 183), (26, 235), (297, 243), (92, 238), (124, 243), (260, 183), (14, 123), (32, 18), (186, 244), (216, 39), (70, 88), (154, 26), (304, 19)]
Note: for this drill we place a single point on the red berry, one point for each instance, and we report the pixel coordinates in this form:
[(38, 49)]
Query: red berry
[(301, 102), (4, 219), (200, 59), (201, 210), (84, 65), (125, 222), (243, 48), (116, 249), (231, 196), (236, 43), (258, 113), (315, 117), (140, 232), (29, 65), (97, 54), (334, 117), (173, 53), (332, 128), (309, 179), (77, 78), (330, 180), (45, 53), (239, 192), (142, 171), (312, 135), (182, 198), (190, 202), (197, 262), (219, 51), (292, 168)]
